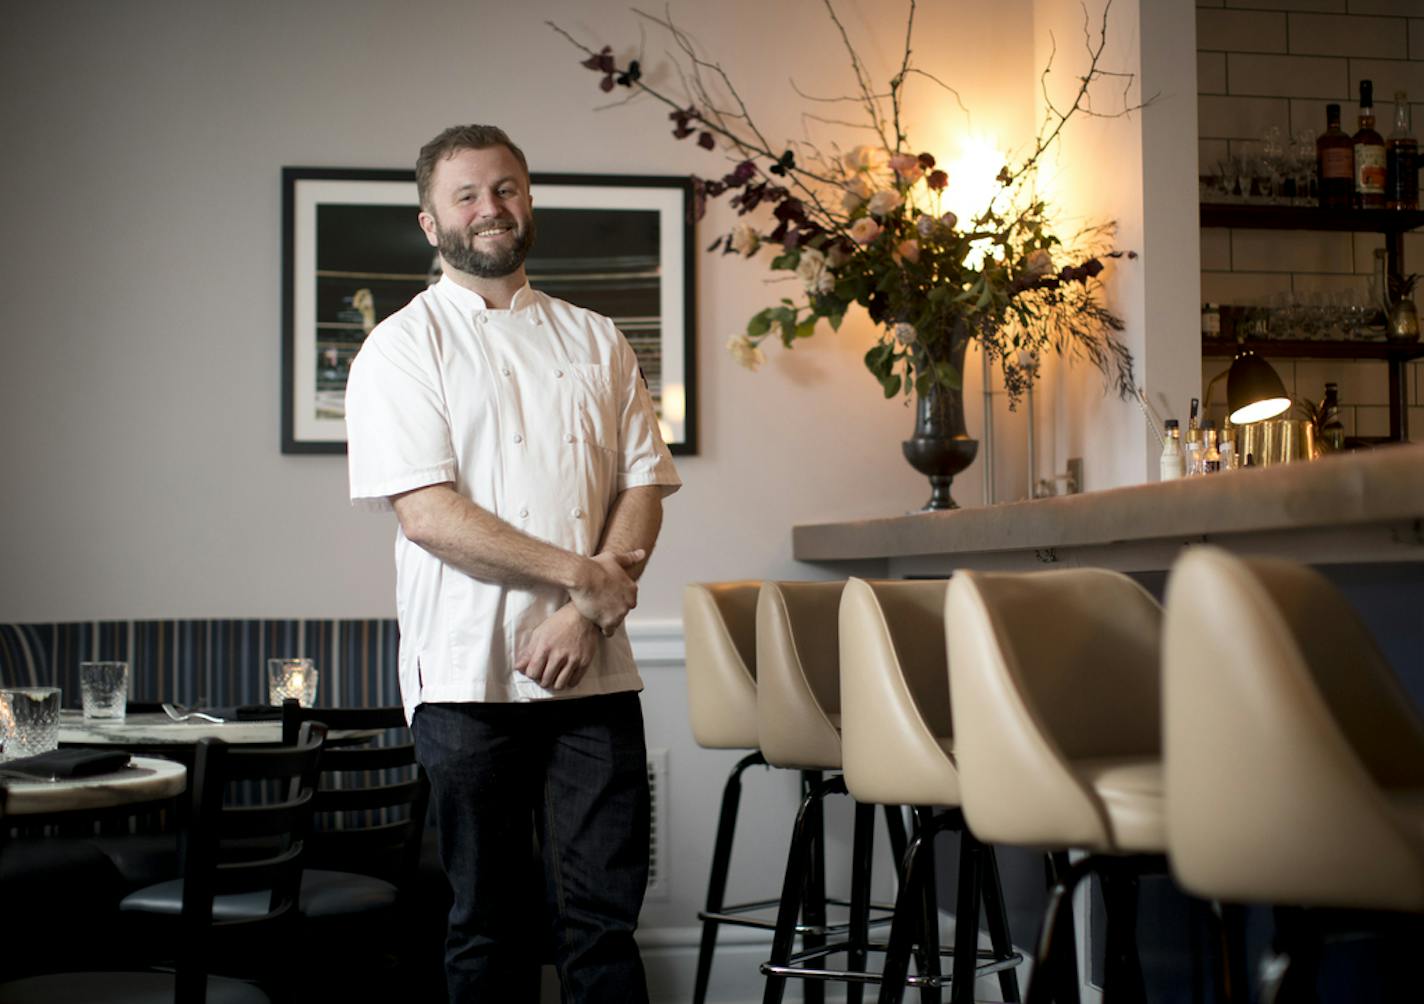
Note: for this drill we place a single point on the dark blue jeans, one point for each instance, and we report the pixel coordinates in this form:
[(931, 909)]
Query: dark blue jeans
[(573, 775)]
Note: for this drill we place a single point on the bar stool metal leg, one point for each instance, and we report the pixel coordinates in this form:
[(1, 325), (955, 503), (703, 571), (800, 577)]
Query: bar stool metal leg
[(966, 919), (712, 917), (997, 920), (813, 906), (863, 849)]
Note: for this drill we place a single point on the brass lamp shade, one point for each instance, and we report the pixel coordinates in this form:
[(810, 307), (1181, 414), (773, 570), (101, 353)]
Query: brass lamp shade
[(1254, 390)]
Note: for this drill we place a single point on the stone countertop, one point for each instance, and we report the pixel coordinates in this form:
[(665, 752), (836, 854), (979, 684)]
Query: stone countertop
[(1366, 506), (145, 779), (152, 729)]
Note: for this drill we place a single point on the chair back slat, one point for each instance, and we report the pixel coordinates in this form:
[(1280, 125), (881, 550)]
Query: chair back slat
[(243, 848), (372, 797)]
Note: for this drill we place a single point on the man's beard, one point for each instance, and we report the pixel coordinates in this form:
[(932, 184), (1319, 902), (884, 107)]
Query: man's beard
[(457, 249)]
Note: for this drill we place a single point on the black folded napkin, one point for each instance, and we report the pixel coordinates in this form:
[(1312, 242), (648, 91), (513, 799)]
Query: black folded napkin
[(67, 763), (247, 713)]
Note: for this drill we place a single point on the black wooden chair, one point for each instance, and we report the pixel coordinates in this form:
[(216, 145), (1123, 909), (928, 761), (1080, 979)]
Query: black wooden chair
[(247, 851), (358, 891)]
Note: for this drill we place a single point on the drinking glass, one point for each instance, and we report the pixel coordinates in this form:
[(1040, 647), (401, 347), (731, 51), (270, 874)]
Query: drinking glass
[(291, 678), (29, 721), (104, 689)]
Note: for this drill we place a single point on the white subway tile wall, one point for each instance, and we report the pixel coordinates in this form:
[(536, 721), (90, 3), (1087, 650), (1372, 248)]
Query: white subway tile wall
[(1277, 63)]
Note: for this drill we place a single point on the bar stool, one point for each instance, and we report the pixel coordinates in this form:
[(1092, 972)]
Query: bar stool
[(719, 623), (1057, 716), (1294, 759), (798, 722), (899, 749)]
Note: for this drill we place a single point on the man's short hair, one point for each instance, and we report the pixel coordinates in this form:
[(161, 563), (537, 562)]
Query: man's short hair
[(451, 141)]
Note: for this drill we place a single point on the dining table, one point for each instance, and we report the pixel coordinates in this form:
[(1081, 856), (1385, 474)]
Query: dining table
[(156, 733), (143, 779)]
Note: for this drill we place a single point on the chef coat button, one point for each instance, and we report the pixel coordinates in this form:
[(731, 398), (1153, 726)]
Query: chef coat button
[(523, 513), (568, 437), (577, 513), (518, 438), (504, 370), (559, 373)]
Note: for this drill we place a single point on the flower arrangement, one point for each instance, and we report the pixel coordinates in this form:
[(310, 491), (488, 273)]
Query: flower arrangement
[(867, 225)]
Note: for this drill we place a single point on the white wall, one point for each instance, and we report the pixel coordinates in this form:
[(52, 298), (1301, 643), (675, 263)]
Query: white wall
[(139, 395)]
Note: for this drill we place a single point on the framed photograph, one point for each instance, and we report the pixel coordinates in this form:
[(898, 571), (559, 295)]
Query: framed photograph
[(352, 254)]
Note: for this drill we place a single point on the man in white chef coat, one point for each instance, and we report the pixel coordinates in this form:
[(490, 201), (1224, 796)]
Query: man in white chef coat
[(516, 441)]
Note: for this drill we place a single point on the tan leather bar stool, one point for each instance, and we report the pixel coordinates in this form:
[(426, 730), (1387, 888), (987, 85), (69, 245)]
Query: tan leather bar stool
[(898, 748), (798, 721), (1057, 714), (719, 625), (1294, 759)]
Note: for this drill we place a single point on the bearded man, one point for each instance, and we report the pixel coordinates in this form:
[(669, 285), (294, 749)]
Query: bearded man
[(515, 440)]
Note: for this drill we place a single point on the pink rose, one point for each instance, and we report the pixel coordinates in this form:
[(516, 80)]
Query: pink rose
[(909, 250), (908, 167)]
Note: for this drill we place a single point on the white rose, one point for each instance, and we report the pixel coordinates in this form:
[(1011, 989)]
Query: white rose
[(814, 273), (906, 334), (857, 190), (866, 158), (884, 201), (745, 351), (864, 230), (745, 239)]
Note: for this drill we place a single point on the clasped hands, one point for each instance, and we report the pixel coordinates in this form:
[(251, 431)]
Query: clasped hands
[(560, 650)]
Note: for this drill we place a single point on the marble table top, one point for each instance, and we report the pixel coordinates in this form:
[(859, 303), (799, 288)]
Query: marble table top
[(157, 729), (145, 779)]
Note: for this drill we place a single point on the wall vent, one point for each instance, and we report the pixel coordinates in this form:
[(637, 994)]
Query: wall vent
[(658, 874)]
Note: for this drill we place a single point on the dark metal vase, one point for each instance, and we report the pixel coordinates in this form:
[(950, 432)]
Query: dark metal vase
[(939, 449)]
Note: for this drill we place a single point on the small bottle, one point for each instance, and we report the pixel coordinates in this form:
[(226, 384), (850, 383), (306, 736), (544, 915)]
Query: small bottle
[(1401, 158), (1369, 154), (1332, 430), (1194, 446), (1227, 446), (1173, 464), (1210, 321), (1211, 456), (1334, 163)]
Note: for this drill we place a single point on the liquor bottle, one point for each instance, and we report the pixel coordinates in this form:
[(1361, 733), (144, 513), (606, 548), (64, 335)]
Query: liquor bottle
[(1210, 320), (1369, 153), (1211, 457), (1334, 163), (1172, 463), (1193, 449), (1401, 157), (1227, 446), (1332, 430)]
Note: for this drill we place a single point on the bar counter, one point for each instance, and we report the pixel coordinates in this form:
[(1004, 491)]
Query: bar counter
[(1363, 507)]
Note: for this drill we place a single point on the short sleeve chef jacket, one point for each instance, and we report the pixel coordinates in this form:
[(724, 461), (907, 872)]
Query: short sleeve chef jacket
[(539, 415)]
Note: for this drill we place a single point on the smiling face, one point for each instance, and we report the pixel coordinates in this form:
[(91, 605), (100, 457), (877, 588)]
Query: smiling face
[(481, 216)]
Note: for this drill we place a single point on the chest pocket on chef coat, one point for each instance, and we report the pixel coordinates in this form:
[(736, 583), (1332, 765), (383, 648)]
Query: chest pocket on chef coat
[(585, 397)]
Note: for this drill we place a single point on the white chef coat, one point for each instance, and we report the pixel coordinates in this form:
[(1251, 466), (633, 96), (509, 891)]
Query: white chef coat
[(540, 416)]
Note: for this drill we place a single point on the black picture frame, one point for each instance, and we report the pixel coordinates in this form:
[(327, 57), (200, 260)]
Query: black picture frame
[(352, 254)]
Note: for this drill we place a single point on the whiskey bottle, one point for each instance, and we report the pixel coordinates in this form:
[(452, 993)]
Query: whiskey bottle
[(1401, 158), (1334, 163), (1211, 457), (1369, 154), (1332, 430)]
